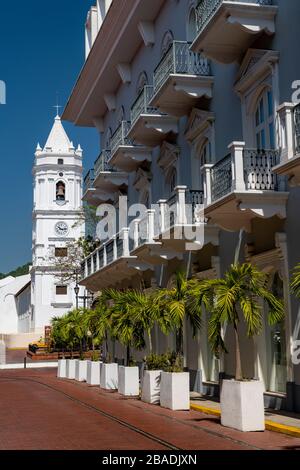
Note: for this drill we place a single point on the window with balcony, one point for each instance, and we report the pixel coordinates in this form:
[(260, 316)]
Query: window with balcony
[(264, 121), (142, 81), (191, 25), (166, 42), (172, 180)]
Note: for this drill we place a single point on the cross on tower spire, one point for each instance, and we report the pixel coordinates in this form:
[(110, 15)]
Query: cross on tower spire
[(57, 106)]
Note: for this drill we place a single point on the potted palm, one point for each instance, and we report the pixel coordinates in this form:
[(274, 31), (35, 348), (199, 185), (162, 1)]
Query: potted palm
[(176, 305), (77, 333), (239, 295), (154, 363), (128, 330), (59, 339)]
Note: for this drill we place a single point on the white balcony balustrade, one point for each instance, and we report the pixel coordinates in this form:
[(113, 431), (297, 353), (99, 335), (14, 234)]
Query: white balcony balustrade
[(243, 186), (89, 191), (107, 179), (125, 156), (180, 79), (289, 129), (226, 29), (108, 263), (148, 125)]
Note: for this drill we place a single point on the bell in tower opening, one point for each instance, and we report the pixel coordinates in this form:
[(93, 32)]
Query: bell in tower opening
[(60, 191)]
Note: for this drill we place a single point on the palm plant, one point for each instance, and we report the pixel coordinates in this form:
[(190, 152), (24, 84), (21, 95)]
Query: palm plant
[(124, 324), (97, 323), (238, 295), (175, 305), (295, 281), (76, 327)]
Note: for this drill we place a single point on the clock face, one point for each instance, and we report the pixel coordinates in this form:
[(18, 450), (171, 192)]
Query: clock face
[(61, 229)]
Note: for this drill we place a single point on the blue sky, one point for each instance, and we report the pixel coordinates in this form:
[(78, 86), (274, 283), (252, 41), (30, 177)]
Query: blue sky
[(41, 53)]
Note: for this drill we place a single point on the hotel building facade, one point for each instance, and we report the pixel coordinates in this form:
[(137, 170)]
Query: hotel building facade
[(196, 105)]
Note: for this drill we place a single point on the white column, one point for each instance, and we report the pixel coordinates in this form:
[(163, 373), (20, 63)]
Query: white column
[(126, 252), (104, 256), (237, 160), (207, 183), (151, 217), (181, 213), (287, 131), (115, 248), (136, 223), (162, 214)]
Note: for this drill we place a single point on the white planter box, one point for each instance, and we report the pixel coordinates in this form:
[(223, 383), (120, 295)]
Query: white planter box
[(62, 369), (93, 372), (242, 405), (151, 387), (128, 381), (109, 376), (71, 368), (175, 390), (81, 371)]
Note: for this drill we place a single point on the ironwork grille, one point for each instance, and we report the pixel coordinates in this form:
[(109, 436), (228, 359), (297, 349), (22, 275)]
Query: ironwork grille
[(221, 178), (119, 247), (179, 59), (207, 8), (143, 230), (101, 257), (110, 252), (141, 104), (195, 198), (258, 172), (88, 181), (297, 127), (120, 137), (101, 164)]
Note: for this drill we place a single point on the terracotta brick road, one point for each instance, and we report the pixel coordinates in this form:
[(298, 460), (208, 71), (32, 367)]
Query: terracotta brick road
[(40, 412)]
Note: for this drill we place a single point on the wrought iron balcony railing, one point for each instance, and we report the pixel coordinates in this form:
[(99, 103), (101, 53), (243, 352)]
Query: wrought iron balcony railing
[(207, 8), (180, 60), (120, 137), (88, 180), (257, 173), (101, 164), (297, 127), (141, 104)]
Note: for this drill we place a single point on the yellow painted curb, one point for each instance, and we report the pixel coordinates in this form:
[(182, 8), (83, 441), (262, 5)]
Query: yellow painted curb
[(270, 425)]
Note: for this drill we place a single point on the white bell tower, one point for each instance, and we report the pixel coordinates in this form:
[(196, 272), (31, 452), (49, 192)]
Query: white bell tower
[(57, 182)]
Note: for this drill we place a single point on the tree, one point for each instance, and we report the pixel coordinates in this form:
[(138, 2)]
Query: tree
[(77, 328), (238, 295), (295, 281), (97, 323), (177, 303), (124, 326)]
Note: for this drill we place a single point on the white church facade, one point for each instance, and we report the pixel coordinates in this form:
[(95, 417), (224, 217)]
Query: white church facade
[(31, 301)]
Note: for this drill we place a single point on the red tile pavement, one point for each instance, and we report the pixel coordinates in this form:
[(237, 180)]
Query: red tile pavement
[(38, 411)]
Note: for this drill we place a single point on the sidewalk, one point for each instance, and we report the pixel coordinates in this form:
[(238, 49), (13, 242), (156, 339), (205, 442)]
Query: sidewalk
[(277, 421)]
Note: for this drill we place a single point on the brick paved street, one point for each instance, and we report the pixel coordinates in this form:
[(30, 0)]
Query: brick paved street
[(40, 412)]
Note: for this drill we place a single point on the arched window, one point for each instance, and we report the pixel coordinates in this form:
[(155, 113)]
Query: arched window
[(205, 153), (166, 42), (191, 25), (120, 116), (141, 82), (264, 121), (60, 191), (108, 138), (173, 180)]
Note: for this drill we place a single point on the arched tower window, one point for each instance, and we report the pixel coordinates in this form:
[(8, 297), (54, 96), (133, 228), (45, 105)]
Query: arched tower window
[(60, 191), (166, 42), (191, 25), (264, 121)]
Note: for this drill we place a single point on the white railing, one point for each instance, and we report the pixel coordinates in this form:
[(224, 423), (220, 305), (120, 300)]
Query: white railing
[(242, 170), (102, 163), (206, 9), (120, 137), (179, 59), (141, 104)]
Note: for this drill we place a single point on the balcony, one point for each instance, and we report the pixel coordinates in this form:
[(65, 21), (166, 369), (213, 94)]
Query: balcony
[(181, 78), (88, 188), (108, 264), (148, 125), (289, 128), (243, 186), (124, 155), (107, 179), (226, 29)]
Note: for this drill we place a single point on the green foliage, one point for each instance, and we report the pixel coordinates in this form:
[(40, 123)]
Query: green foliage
[(20, 271), (95, 357), (238, 294), (295, 281), (168, 362)]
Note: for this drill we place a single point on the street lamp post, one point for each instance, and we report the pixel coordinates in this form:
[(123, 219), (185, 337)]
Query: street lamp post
[(76, 290)]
